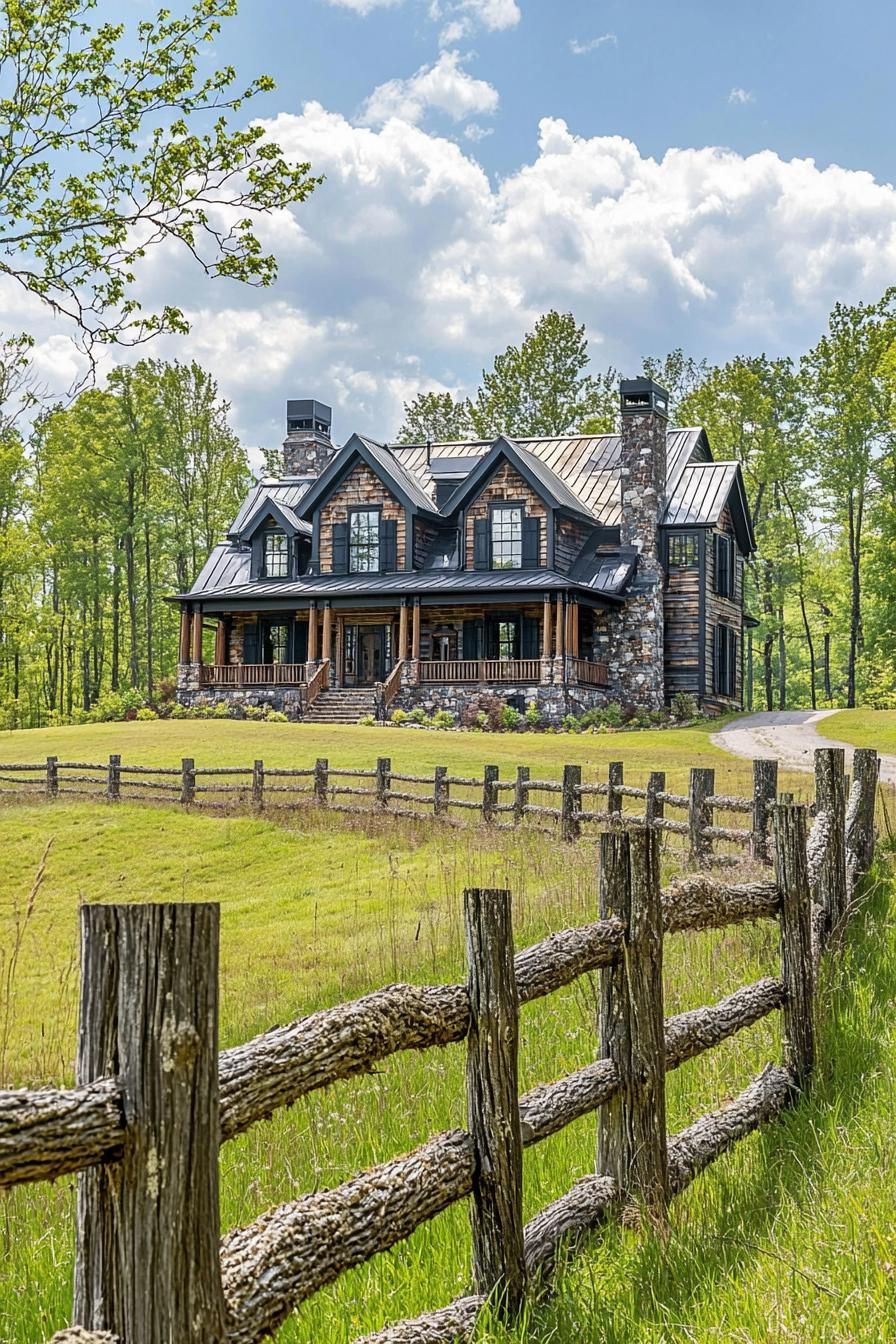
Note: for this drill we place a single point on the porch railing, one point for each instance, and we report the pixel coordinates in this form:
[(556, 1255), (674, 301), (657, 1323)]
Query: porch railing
[(482, 669), (589, 674), (319, 682), (253, 674)]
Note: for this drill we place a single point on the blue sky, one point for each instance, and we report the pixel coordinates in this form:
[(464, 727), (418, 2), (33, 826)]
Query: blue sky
[(700, 174)]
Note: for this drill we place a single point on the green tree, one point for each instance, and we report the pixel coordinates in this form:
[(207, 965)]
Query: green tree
[(436, 417), (679, 374), (540, 388), (113, 143)]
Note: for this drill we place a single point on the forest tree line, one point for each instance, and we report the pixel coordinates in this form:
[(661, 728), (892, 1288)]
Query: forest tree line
[(110, 504)]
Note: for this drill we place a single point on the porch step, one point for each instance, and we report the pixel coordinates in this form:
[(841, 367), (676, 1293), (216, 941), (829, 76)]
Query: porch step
[(341, 706)]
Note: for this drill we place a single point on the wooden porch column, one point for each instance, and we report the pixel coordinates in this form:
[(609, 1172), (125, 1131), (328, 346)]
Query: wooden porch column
[(403, 630), (183, 655), (415, 638), (340, 648), (221, 643), (197, 635), (558, 647), (312, 633), (327, 649), (547, 627), (570, 629)]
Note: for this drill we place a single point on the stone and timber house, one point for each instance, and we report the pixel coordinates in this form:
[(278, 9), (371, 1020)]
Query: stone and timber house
[(575, 571)]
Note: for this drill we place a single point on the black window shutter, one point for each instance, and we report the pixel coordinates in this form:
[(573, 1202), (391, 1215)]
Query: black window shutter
[(718, 632), (481, 558), (491, 638), (340, 548), (472, 639), (732, 570), (717, 563), (300, 642), (531, 545), (732, 661), (257, 563), (250, 644), (388, 545), (531, 634)]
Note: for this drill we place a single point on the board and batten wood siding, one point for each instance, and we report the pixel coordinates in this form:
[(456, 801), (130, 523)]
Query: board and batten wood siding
[(361, 487), (681, 636), (728, 610), (569, 538), (506, 484)]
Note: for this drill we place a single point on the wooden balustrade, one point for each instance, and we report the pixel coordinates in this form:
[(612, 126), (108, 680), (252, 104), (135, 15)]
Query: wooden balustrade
[(589, 674), (319, 682), (482, 670), (392, 684), (253, 674)]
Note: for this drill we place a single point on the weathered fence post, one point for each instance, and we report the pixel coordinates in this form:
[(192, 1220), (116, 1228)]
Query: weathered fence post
[(258, 784), (159, 1277), (493, 1116), (489, 793), (113, 779), (792, 875), (765, 787), (187, 780), (520, 794), (702, 786), (615, 776), (830, 821), (654, 807), (383, 779), (52, 776), (571, 802), (440, 791), (321, 780), (632, 1133), (860, 814)]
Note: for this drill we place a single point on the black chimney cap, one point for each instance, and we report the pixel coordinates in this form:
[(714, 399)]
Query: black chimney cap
[(642, 396), (309, 415)]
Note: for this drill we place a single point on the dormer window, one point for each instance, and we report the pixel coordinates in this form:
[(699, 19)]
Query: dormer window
[(276, 555), (507, 537), (364, 541)]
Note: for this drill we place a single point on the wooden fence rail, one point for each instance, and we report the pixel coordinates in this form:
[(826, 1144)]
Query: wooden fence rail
[(385, 792), (153, 1093)]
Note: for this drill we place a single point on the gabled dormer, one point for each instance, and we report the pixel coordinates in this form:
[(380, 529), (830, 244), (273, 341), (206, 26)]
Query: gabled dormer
[(362, 509), (278, 539)]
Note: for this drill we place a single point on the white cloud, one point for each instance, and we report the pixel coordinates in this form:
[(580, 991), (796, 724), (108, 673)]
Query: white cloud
[(493, 14), (579, 47), (364, 6), (409, 268), (443, 87), (741, 96), (475, 132), (462, 15)]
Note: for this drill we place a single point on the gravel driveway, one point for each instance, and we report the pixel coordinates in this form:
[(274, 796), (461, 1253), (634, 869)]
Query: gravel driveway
[(790, 736)]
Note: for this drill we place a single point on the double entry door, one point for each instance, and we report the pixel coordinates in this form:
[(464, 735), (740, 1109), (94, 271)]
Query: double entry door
[(367, 656)]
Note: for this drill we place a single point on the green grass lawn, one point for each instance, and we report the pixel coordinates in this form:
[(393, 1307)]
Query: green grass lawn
[(863, 728), (789, 1237)]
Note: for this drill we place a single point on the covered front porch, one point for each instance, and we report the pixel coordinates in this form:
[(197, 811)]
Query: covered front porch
[(414, 642)]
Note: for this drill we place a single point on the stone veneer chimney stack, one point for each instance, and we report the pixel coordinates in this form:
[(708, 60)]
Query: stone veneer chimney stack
[(307, 447), (637, 652)]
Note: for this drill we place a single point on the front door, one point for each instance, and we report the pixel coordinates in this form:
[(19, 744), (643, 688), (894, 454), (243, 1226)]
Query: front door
[(371, 647)]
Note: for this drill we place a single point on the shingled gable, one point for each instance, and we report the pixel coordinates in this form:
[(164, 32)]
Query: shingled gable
[(384, 466), (267, 507), (555, 493)]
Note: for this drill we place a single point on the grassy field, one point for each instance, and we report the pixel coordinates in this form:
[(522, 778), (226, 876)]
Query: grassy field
[(790, 1237), (864, 728)]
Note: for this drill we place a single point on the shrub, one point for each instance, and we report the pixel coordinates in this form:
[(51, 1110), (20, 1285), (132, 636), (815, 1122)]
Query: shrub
[(532, 714), (640, 717), (492, 706), (221, 710), (367, 721), (510, 718), (166, 691), (684, 706), (443, 718), (145, 715), (179, 711), (254, 712), (112, 706), (418, 715), (398, 716), (571, 724), (611, 716), (275, 716)]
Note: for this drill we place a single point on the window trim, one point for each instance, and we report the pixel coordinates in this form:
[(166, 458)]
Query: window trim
[(729, 590), (692, 537), (494, 506), (726, 643), (268, 534), (377, 511)]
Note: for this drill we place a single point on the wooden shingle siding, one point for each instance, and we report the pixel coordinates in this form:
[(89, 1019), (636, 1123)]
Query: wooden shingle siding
[(361, 487), (506, 484), (569, 538)]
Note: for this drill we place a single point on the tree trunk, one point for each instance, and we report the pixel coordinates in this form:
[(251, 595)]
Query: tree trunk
[(116, 617)]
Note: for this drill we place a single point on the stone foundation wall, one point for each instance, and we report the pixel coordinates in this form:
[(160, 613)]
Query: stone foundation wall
[(285, 699), (554, 702)]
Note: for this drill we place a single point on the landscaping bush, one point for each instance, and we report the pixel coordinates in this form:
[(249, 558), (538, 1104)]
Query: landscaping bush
[(510, 718), (443, 718), (275, 716), (684, 707), (532, 714), (146, 715), (398, 716), (368, 721), (418, 715)]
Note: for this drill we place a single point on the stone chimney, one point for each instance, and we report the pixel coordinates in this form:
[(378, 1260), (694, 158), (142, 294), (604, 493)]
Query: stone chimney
[(637, 646), (307, 447)]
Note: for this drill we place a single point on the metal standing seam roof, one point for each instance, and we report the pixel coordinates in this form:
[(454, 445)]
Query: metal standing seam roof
[(392, 466), (411, 581), (701, 496), (225, 567), (286, 492)]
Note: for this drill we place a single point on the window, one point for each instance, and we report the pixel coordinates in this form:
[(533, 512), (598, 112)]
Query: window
[(724, 558), (725, 658), (507, 538), (684, 550), (276, 555), (507, 640), (444, 647), (275, 642), (364, 541)]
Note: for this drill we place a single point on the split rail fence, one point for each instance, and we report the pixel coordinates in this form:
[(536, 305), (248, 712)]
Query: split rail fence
[(154, 1099), (571, 807)]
